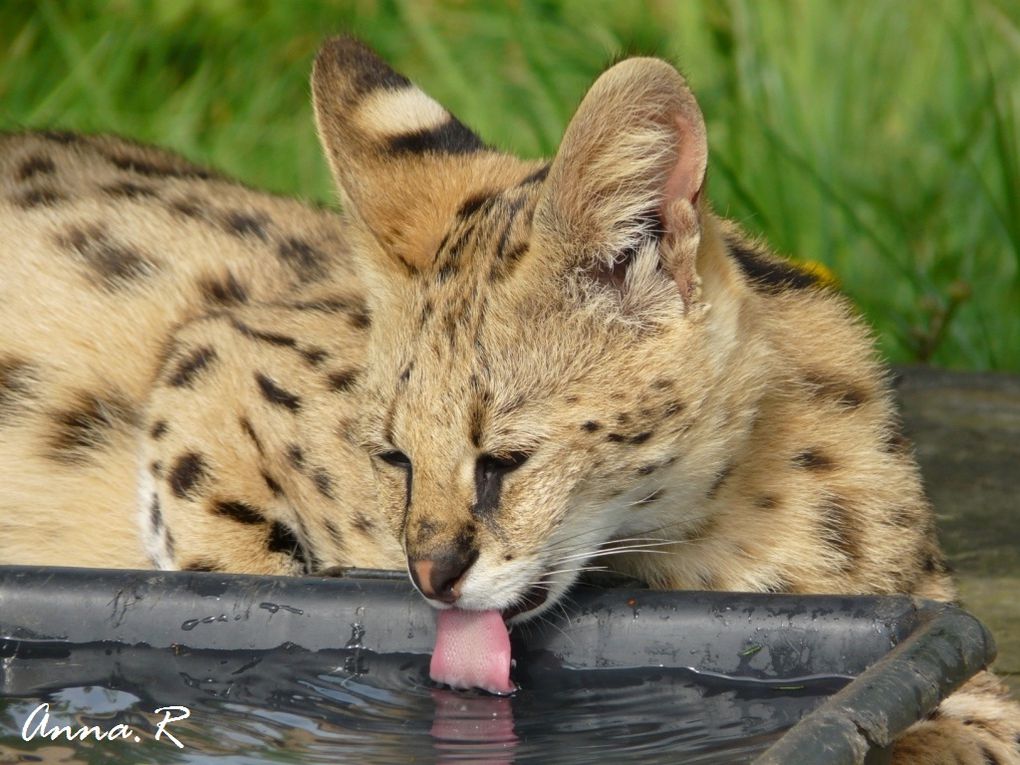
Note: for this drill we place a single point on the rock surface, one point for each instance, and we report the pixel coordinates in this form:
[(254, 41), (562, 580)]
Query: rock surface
[(966, 431)]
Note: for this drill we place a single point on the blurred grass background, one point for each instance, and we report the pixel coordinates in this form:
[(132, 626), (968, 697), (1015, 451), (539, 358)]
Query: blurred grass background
[(877, 138)]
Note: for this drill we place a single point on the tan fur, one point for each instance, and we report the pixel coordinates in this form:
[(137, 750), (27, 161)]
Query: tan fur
[(580, 362)]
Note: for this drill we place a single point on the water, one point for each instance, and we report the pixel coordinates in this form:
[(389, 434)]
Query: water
[(290, 705)]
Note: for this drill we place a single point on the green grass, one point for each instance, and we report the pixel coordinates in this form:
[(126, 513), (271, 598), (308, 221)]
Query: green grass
[(878, 138)]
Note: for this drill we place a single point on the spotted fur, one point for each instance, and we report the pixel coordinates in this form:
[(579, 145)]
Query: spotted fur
[(492, 370)]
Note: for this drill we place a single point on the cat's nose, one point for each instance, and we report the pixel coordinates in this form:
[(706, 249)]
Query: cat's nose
[(440, 578)]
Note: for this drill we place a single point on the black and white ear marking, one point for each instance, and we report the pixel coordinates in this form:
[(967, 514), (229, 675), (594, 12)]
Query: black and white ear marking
[(393, 150)]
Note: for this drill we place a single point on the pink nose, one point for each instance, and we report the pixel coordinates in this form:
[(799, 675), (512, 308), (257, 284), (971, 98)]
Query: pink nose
[(441, 578)]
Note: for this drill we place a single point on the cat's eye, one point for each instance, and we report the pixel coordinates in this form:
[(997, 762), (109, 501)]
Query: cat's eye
[(502, 463), (395, 458)]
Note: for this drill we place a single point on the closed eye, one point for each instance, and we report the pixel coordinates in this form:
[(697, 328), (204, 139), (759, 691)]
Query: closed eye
[(490, 469), (395, 458), (502, 463)]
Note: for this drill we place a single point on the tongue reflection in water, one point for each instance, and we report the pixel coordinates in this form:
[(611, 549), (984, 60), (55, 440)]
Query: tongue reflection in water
[(466, 724), (472, 651)]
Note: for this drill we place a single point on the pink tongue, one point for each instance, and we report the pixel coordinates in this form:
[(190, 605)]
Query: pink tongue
[(472, 651)]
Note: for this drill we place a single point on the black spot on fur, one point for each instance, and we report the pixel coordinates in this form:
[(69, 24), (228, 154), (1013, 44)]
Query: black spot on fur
[(616, 438), (89, 424), (768, 273), (38, 198), (477, 420), (503, 245), (249, 431), (990, 757), (473, 203), (647, 469), (813, 459), (426, 312), (843, 393), (452, 137), (720, 478), (895, 442), (224, 292), (16, 381), (537, 176), (640, 438), (767, 502), (507, 261), (842, 531), (272, 484), (274, 394), (663, 383), (129, 190), (35, 165), (189, 207), (242, 224), (306, 261), (313, 356), (323, 483), (157, 169), (933, 562), (343, 380), (363, 523), (191, 366), (296, 456), (674, 408), (201, 564), (361, 319), (903, 516), (188, 472), (116, 264), (590, 426), (241, 512), (156, 468), (329, 305), (334, 533), (159, 429), (447, 271), (273, 338), (513, 254), (282, 539), (155, 514)]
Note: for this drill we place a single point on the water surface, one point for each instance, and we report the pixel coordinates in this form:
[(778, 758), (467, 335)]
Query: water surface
[(290, 705)]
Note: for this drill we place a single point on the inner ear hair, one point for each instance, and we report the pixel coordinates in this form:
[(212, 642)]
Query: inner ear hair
[(613, 273)]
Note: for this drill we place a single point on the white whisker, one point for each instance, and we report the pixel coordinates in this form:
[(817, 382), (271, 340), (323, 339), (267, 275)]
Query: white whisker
[(572, 570)]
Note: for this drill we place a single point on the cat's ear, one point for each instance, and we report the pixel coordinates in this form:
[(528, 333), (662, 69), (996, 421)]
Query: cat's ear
[(629, 174), (401, 161)]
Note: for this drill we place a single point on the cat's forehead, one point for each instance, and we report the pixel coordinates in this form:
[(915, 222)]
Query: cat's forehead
[(488, 236)]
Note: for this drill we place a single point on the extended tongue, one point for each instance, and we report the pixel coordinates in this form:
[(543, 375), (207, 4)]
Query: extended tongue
[(472, 651)]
